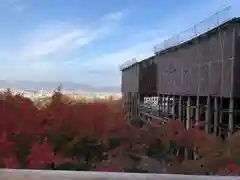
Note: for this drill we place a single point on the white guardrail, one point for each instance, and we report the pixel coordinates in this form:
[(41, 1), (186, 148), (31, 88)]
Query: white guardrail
[(153, 102), (12, 174)]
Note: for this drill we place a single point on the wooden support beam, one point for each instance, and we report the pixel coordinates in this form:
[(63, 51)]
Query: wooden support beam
[(188, 119), (216, 115), (180, 108), (173, 107), (197, 112), (197, 118), (168, 104), (231, 117), (207, 115)]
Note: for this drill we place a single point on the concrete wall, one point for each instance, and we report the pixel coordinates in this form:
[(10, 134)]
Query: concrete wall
[(77, 175)]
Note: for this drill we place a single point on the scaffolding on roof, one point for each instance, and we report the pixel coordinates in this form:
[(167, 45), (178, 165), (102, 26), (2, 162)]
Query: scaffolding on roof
[(202, 27)]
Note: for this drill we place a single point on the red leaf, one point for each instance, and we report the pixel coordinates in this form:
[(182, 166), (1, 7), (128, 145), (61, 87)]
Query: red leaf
[(11, 162)]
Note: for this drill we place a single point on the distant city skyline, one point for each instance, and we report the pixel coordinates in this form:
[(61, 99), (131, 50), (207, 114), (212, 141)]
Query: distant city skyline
[(85, 42), (51, 86), (36, 95)]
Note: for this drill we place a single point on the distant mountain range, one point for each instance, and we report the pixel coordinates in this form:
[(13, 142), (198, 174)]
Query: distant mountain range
[(49, 86)]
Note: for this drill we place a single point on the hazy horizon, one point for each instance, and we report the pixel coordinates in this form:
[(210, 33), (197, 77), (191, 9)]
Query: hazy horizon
[(51, 85)]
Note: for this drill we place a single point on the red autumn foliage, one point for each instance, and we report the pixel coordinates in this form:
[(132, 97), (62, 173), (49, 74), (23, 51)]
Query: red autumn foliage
[(11, 162), (37, 159), (6, 146), (23, 126), (175, 130), (67, 132)]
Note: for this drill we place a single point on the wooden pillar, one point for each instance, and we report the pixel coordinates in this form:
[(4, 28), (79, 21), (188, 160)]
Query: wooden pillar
[(188, 118), (216, 115), (162, 103), (159, 104), (173, 107), (180, 108), (138, 102), (165, 103), (231, 117), (220, 110), (188, 154), (197, 119), (138, 98), (187, 125), (197, 112), (168, 105), (207, 115)]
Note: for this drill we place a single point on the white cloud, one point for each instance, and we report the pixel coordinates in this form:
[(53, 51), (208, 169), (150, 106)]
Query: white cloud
[(57, 38), (61, 38), (64, 42), (39, 47), (100, 71), (115, 16)]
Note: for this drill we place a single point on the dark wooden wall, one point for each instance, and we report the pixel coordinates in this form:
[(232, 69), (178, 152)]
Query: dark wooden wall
[(148, 77), (200, 66), (130, 82), (130, 79), (237, 64)]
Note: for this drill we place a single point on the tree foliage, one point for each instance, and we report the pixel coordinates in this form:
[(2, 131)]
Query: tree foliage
[(64, 134)]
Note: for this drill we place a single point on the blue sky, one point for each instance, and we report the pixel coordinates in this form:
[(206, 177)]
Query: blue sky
[(85, 41)]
